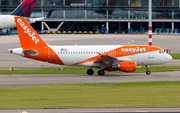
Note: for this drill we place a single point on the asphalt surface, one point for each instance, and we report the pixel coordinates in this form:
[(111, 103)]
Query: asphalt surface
[(45, 79), (101, 110)]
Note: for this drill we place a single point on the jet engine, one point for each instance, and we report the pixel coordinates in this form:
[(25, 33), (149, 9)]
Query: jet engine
[(125, 66)]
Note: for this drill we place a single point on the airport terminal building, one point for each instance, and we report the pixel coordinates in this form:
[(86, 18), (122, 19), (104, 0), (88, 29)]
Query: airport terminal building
[(90, 15)]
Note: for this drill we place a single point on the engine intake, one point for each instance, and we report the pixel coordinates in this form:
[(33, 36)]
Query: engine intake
[(126, 66)]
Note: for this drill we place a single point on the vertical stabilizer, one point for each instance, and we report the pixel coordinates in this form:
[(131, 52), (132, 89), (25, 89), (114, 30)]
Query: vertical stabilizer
[(27, 35), (25, 8), (32, 44)]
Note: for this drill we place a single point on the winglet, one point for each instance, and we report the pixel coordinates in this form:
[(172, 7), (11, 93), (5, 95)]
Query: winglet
[(25, 8), (27, 35)]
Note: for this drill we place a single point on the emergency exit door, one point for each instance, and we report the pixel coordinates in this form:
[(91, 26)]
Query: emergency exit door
[(50, 53)]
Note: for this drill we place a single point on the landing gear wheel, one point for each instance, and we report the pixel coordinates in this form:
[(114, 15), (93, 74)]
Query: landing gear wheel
[(148, 72), (101, 72), (90, 72)]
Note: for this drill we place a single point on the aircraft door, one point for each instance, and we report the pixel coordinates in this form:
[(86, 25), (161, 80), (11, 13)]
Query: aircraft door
[(151, 53), (50, 53)]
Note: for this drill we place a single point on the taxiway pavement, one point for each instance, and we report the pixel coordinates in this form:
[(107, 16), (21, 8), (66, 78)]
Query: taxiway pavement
[(98, 110), (46, 79)]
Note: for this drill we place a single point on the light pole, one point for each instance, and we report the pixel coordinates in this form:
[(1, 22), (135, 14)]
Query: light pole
[(150, 23)]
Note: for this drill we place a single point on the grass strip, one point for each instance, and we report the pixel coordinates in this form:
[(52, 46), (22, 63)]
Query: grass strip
[(117, 95), (82, 70), (175, 55)]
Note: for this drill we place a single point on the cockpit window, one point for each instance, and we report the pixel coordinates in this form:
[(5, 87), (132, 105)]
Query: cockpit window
[(161, 51)]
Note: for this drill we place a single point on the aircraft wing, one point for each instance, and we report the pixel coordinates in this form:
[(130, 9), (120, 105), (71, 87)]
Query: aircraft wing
[(105, 58), (109, 60)]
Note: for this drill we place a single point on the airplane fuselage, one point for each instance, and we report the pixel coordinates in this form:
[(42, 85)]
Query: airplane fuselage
[(7, 21), (86, 55)]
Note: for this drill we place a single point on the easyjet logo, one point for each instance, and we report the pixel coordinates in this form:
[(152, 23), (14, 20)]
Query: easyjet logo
[(137, 49), (28, 31)]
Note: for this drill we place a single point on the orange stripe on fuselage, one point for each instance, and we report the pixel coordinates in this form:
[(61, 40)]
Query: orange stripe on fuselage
[(125, 50)]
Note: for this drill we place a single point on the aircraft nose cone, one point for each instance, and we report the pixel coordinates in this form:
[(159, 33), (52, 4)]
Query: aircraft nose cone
[(169, 57)]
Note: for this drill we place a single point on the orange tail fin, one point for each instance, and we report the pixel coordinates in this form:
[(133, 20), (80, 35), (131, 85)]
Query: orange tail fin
[(27, 35)]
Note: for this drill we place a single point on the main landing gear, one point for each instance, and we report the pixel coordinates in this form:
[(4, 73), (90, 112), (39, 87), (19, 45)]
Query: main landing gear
[(91, 72), (147, 70), (101, 72)]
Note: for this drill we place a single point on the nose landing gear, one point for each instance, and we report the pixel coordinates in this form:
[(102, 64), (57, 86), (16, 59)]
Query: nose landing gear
[(147, 70)]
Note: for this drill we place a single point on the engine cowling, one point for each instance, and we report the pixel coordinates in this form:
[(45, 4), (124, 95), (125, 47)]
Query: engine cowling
[(109, 69), (126, 66)]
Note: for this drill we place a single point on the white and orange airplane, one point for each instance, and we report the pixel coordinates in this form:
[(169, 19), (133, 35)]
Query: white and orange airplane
[(106, 57)]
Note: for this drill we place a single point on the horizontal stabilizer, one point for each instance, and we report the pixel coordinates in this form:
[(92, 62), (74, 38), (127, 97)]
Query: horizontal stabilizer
[(31, 52)]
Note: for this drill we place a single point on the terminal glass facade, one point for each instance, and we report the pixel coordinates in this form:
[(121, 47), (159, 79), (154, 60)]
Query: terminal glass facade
[(98, 9), (119, 10)]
